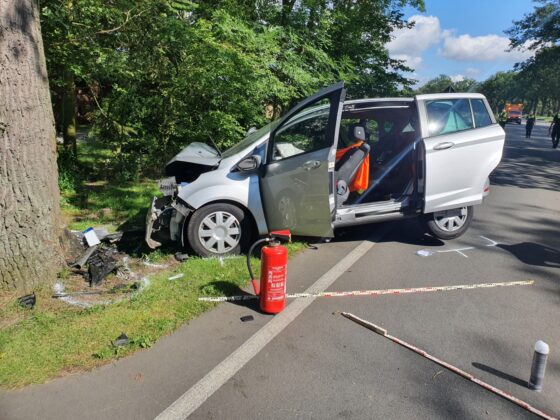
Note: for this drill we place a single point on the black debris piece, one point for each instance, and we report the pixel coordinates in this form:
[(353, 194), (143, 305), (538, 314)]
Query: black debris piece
[(121, 340), (247, 318), (181, 256), (101, 264), (27, 301), (82, 261)]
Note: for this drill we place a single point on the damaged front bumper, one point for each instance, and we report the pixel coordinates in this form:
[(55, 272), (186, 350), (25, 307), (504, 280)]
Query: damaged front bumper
[(166, 218)]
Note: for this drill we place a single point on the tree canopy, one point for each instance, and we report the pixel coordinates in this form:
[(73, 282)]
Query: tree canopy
[(163, 73)]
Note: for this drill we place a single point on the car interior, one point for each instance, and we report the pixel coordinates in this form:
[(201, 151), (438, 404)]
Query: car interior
[(387, 134)]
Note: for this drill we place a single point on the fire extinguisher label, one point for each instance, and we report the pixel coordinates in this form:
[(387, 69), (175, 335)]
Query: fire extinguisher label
[(276, 283)]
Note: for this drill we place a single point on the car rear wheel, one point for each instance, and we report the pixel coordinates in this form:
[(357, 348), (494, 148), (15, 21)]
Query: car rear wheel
[(448, 224), (218, 229)]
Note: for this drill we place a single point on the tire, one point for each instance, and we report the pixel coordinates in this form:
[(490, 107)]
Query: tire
[(448, 225), (218, 229)]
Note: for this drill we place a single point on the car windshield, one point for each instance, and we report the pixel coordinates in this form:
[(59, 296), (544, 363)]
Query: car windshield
[(250, 139)]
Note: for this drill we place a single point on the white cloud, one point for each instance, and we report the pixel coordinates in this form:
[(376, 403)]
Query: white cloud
[(457, 78), (412, 61), (425, 33), (480, 48), (409, 44)]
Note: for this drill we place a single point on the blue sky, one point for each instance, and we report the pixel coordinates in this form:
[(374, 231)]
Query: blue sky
[(460, 38)]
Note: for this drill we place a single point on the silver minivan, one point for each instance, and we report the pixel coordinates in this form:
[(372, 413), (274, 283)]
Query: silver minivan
[(429, 156)]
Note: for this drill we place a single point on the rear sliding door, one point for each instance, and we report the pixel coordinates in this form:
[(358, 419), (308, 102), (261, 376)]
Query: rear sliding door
[(463, 145)]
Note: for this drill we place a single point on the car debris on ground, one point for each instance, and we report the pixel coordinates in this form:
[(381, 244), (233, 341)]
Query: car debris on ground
[(121, 340), (27, 301)]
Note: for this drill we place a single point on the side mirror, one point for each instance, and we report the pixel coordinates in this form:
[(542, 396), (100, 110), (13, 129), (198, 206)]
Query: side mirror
[(249, 163)]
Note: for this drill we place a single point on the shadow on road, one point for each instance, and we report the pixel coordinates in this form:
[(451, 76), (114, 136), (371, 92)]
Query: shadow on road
[(528, 163), (500, 374), (534, 254)]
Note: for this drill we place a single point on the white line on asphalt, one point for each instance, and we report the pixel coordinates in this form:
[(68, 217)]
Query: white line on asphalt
[(193, 398)]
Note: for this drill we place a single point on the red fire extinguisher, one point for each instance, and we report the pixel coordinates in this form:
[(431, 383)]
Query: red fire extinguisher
[(274, 264)]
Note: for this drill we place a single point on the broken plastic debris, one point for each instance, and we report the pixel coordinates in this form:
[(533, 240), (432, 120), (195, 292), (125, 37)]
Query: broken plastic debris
[(121, 340), (247, 318), (424, 253), (91, 237), (176, 276), (180, 256), (27, 301)]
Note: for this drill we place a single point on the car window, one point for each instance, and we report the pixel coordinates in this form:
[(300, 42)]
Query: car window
[(304, 132), (481, 116), (448, 116)]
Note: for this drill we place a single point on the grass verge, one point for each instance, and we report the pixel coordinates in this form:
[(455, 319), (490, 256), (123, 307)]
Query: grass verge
[(54, 339)]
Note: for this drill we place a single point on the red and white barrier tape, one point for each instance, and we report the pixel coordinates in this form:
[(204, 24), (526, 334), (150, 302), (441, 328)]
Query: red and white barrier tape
[(383, 332), (374, 292)]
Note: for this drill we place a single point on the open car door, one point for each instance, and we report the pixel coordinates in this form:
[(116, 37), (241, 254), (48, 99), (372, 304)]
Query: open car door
[(463, 145), (298, 176)]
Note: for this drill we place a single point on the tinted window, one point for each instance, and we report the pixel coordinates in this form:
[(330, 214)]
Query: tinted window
[(304, 132), (448, 116), (481, 116)]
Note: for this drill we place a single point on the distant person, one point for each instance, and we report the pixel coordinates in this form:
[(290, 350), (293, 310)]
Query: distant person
[(502, 118), (529, 125), (554, 131)]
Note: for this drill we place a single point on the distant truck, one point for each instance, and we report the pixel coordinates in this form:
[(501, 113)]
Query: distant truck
[(514, 111)]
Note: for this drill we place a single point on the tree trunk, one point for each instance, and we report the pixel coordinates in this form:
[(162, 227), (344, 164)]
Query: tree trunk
[(30, 250)]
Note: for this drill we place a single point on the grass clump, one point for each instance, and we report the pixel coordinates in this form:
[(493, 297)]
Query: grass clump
[(53, 338)]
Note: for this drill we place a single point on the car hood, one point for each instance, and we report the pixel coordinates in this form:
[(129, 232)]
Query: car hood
[(193, 160), (199, 153)]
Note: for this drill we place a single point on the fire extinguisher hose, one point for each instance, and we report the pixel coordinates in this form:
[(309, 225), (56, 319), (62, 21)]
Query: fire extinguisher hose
[(260, 241)]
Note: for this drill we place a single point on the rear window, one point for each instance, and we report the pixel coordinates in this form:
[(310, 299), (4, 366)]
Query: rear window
[(448, 116), (481, 116)]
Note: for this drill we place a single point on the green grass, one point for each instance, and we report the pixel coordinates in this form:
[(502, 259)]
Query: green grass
[(53, 338)]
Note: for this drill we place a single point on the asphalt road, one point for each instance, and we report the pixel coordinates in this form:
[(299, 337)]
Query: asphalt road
[(322, 365)]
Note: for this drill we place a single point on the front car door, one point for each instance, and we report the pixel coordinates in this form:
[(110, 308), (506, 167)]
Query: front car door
[(298, 177), (463, 145)]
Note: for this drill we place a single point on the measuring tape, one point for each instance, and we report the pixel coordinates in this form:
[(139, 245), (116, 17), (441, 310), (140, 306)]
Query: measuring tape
[(375, 292)]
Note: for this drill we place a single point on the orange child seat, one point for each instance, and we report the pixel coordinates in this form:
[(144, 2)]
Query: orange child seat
[(360, 182)]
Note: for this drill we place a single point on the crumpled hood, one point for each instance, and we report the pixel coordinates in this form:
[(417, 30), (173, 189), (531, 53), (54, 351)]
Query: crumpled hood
[(192, 161), (199, 153)]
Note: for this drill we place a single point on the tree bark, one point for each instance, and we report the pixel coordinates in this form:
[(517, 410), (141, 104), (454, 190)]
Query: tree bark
[(30, 250)]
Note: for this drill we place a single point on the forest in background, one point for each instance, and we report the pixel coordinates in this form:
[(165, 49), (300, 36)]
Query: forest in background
[(149, 76)]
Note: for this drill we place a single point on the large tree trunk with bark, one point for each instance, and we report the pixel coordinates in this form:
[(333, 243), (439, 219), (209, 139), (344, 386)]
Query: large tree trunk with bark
[(30, 250)]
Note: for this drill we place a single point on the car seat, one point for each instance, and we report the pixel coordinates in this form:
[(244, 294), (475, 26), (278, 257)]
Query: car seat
[(347, 166)]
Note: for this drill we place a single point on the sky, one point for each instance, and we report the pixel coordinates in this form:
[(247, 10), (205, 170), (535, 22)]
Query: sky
[(460, 38)]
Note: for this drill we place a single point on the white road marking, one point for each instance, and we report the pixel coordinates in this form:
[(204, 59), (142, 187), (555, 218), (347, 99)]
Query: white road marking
[(492, 242), (193, 398), (379, 292), (458, 250)]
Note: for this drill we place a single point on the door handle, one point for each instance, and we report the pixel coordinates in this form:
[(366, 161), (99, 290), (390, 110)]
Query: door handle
[(311, 164), (444, 145)]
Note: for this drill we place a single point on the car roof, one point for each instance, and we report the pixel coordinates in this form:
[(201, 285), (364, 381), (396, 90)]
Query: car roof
[(454, 95)]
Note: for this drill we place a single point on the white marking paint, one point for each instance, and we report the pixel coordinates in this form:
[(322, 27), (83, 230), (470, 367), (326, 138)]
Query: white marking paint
[(429, 253), (492, 242), (193, 398), (458, 250)]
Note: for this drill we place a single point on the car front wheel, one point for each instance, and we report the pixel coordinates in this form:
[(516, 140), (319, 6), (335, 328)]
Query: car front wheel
[(448, 224), (218, 229)]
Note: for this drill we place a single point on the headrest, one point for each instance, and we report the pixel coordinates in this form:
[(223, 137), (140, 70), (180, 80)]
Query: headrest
[(359, 133)]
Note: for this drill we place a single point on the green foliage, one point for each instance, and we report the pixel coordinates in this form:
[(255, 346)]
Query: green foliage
[(538, 28), (164, 73), (443, 81)]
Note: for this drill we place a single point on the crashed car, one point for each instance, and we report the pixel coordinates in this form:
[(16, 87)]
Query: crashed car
[(429, 156)]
